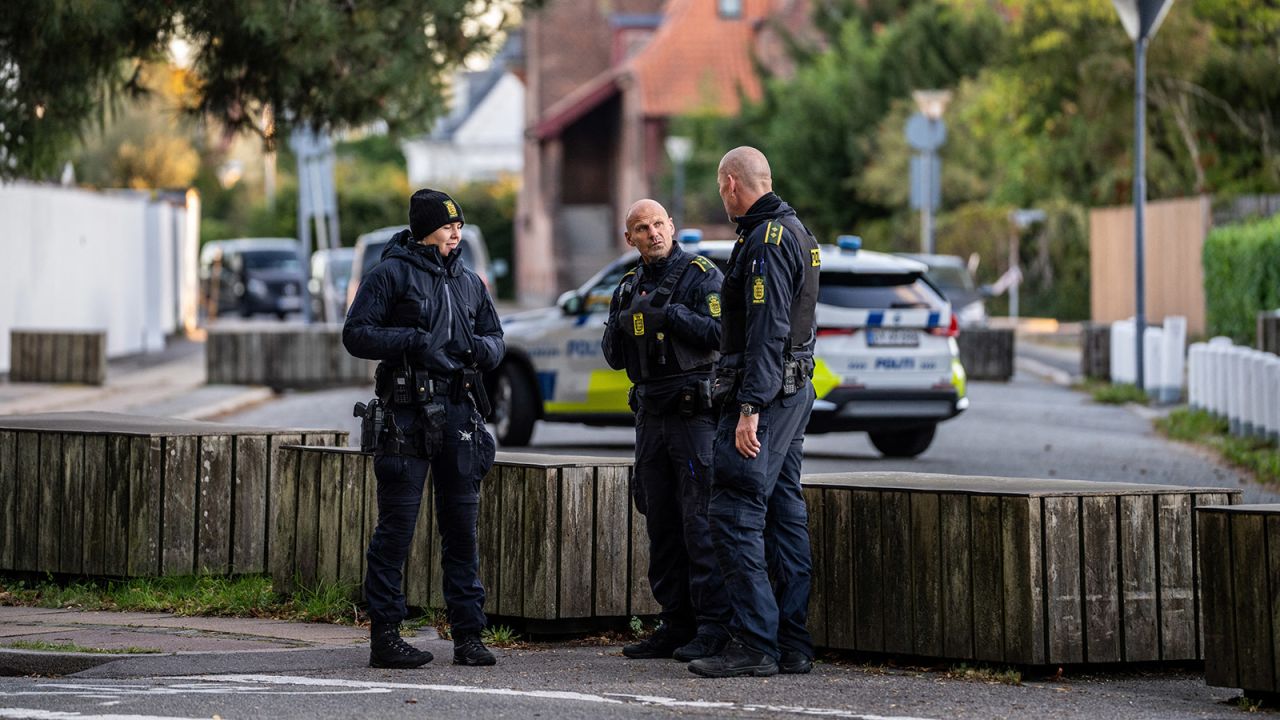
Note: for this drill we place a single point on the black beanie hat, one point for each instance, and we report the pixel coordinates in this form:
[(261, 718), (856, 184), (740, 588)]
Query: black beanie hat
[(429, 210)]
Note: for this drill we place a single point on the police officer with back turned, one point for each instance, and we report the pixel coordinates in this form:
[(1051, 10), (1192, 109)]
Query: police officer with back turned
[(431, 322), (664, 328), (758, 516)]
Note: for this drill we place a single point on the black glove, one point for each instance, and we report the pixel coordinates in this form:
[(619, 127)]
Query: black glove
[(462, 348), (655, 318)]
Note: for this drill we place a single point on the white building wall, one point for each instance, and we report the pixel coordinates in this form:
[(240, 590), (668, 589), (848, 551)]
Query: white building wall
[(487, 145), (75, 259)]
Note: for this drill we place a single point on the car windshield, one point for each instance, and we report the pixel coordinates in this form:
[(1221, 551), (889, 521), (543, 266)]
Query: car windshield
[(340, 268), (271, 260), (877, 291), (950, 277)]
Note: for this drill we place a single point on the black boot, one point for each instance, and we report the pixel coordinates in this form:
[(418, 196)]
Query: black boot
[(388, 650), (701, 646), (469, 650), (661, 644), (794, 662), (736, 660)]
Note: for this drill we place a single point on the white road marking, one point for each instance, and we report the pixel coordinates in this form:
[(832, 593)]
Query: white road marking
[(609, 698), (33, 714)]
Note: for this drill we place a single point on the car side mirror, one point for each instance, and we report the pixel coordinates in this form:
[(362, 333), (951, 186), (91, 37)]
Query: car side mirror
[(570, 302)]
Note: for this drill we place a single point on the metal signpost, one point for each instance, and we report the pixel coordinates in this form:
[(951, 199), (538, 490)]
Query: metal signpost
[(318, 202), (926, 133), (1141, 19)]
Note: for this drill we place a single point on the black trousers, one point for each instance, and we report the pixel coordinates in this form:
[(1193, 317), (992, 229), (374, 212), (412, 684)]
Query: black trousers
[(456, 472), (672, 489)]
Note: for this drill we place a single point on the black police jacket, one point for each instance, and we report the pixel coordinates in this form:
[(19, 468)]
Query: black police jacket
[(770, 296), (428, 309), (691, 317)]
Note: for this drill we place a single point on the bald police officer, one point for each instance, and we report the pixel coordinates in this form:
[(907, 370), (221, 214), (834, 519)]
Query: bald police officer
[(758, 516), (664, 328)]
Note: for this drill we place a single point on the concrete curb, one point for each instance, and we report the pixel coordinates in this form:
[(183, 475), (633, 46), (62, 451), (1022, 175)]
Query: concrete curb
[(243, 401), (42, 662)]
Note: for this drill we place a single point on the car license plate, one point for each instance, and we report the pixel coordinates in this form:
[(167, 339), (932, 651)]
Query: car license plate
[(880, 337)]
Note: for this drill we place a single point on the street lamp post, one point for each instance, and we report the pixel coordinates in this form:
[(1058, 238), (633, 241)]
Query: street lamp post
[(1141, 19), (679, 149)]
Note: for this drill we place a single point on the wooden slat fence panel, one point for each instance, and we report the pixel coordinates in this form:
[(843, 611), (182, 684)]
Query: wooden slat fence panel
[(987, 353), (58, 356), (283, 356)]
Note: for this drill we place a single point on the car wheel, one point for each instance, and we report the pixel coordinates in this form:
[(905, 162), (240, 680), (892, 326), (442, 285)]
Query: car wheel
[(903, 443), (514, 406)]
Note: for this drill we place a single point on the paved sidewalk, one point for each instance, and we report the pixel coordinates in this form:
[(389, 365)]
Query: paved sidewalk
[(166, 384), (132, 642)]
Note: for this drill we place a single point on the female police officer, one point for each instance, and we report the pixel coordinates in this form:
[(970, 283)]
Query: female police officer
[(432, 324)]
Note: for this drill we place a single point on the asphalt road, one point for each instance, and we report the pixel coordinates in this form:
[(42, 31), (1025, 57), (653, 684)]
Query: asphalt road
[(583, 681), (1025, 428)]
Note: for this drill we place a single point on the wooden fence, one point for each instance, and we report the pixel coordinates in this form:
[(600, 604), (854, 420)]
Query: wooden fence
[(1021, 571), (58, 356), (1174, 239), (283, 356), (103, 494), (987, 353), (559, 536), (1240, 549), (1269, 331)]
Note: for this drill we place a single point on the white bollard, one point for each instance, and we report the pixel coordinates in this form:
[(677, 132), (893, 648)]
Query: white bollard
[(1124, 365), (1172, 359), (1258, 400), (1195, 363), (1152, 361), (1273, 397), (1233, 389), (1216, 376)]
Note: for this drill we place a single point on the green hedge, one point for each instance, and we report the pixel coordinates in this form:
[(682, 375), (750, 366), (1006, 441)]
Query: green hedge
[(1241, 276)]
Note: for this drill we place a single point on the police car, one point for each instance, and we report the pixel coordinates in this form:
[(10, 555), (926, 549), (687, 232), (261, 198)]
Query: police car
[(886, 356)]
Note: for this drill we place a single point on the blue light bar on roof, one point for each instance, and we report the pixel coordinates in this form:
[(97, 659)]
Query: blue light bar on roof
[(690, 236), (849, 243)]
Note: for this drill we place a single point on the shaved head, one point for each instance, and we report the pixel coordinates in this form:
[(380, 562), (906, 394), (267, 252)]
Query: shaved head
[(649, 230), (644, 207), (744, 177)]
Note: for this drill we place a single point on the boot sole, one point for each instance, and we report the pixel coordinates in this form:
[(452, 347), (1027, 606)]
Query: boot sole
[(398, 666), (754, 671)]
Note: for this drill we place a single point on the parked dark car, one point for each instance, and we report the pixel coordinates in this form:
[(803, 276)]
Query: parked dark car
[(248, 276)]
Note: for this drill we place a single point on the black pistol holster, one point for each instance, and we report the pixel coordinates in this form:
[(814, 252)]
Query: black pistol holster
[(373, 424), (725, 386), (695, 398)]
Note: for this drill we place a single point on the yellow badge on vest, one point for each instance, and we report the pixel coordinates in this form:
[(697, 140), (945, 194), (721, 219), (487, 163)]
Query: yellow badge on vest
[(713, 304), (757, 290), (637, 324)]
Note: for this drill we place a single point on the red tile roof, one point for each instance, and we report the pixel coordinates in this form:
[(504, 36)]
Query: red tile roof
[(700, 61)]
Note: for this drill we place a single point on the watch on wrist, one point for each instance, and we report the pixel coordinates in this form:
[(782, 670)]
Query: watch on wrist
[(748, 409)]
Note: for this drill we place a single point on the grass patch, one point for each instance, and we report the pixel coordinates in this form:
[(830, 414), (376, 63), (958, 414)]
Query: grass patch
[(1247, 704), (1259, 457), (982, 673), (1108, 394), (72, 647), (247, 596), (500, 636)]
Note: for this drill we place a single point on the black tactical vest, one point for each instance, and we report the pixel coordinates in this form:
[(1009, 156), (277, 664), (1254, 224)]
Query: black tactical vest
[(677, 356), (733, 336)]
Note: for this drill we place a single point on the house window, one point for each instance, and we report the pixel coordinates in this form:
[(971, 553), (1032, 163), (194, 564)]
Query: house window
[(730, 9)]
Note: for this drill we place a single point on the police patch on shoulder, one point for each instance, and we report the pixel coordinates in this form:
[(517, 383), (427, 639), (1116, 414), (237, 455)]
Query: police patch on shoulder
[(773, 233), (713, 304), (703, 264), (815, 257), (757, 290)]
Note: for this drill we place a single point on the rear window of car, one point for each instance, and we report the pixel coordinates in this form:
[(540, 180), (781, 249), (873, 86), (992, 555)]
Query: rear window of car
[(271, 260), (877, 291), (950, 278)]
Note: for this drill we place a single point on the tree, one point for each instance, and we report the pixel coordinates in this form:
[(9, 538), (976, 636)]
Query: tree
[(327, 63)]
